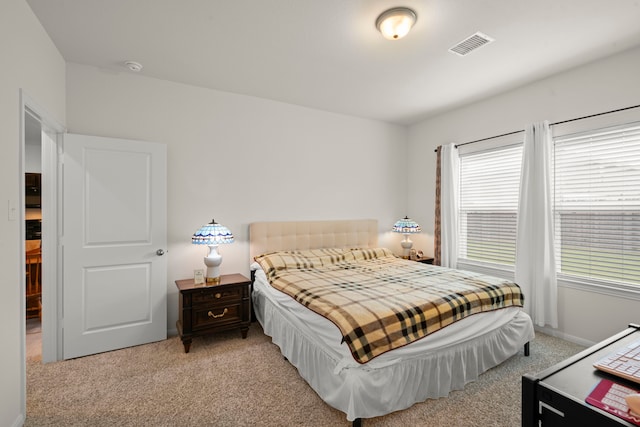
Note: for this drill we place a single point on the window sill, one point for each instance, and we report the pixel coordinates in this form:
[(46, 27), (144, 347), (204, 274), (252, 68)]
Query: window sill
[(618, 290), (615, 290), (504, 271)]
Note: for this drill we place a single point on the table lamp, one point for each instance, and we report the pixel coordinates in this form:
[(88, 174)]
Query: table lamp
[(212, 235), (406, 226)]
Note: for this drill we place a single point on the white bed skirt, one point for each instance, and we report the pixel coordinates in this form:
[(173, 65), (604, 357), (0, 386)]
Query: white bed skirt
[(389, 383)]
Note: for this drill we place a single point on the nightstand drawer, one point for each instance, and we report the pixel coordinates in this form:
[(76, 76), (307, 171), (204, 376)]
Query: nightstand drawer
[(217, 316), (213, 295)]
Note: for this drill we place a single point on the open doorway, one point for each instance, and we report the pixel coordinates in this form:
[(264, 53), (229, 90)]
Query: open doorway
[(66, 211), (40, 145), (33, 235)]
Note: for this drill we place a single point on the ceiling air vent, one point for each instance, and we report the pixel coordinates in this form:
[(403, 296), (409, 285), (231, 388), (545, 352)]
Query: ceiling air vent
[(471, 43)]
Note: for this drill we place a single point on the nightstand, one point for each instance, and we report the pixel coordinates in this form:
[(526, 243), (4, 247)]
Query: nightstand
[(424, 260), (204, 310)]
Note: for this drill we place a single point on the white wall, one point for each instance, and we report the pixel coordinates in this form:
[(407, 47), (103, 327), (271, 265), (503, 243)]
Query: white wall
[(601, 86), (29, 61), (32, 145), (240, 159), (33, 158)]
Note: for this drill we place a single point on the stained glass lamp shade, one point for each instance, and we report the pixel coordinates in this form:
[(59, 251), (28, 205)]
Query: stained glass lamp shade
[(406, 226), (212, 235)]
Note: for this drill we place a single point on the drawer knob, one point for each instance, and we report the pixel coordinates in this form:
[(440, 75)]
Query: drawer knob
[(216, 316), (218, 295)]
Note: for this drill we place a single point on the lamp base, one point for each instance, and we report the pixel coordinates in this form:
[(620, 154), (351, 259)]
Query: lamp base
[(406, 244), (213, 261), (213, 280)]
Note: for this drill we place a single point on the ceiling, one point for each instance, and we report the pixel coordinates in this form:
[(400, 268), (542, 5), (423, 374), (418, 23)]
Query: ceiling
[(328, 55)]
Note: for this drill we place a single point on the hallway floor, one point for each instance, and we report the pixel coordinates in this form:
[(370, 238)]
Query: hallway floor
[(34, 338)]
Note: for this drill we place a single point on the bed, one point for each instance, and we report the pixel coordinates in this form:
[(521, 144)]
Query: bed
[(369, 384)]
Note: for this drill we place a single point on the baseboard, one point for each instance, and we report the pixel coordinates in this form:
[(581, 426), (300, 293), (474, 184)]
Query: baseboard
[(559, 334), (19, 421)]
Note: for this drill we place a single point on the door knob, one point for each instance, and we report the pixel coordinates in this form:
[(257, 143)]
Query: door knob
[(159, 252)]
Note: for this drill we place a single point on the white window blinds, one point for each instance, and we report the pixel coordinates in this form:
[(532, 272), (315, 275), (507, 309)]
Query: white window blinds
[(597, 204), (489, 187)]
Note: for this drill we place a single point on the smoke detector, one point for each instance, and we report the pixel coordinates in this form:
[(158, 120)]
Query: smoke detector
[(133, 66)]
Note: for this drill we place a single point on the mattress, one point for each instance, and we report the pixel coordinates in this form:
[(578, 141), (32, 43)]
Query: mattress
[(428, 368)]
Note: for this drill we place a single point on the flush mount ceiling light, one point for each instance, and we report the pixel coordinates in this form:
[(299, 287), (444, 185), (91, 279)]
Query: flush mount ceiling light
[(133, 66), (396, 23)]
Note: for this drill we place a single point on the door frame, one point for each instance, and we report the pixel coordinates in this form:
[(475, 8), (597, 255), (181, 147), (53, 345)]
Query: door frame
[(51, 151)]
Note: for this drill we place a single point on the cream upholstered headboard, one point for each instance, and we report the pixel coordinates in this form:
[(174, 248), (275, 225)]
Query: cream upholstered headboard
[(299, 235)]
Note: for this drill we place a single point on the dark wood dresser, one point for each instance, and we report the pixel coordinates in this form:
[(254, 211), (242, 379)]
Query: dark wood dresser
[(204, 310), (556, 396)]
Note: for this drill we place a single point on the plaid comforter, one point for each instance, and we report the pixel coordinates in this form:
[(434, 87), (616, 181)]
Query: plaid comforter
[(380, 302)]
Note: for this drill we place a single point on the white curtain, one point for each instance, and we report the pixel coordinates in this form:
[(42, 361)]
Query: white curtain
[(535, 262), (449, 205)]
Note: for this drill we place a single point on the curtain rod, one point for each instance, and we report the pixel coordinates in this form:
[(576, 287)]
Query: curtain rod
[(552, 124)]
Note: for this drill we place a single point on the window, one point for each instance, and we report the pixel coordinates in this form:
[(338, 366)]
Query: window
[(489, 188), (597, 206)]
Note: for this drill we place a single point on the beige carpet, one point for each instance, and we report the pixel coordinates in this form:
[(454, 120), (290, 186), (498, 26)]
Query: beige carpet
[(228, 381)]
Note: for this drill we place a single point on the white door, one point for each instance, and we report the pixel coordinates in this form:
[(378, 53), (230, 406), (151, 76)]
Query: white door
[(113, 239)]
